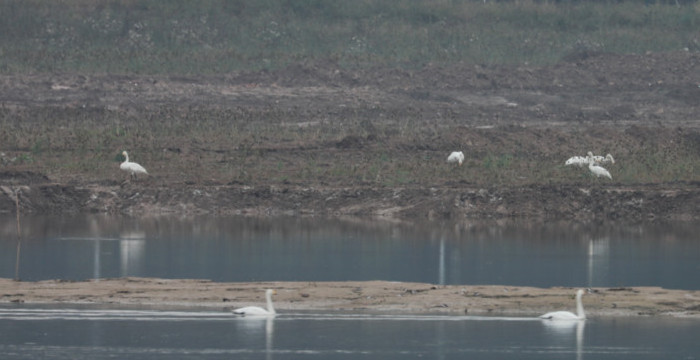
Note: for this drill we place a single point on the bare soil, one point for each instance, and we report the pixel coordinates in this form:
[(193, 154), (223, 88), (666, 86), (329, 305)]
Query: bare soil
[(367, 296), (624, 102)]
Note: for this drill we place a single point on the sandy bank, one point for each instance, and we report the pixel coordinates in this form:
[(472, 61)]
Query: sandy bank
[(369, 296)]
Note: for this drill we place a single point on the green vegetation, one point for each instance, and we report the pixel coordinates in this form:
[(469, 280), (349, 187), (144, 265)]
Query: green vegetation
[(219, 36)]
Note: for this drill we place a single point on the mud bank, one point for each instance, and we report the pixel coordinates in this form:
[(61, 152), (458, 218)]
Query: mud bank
[(367, 296), (678, 201)]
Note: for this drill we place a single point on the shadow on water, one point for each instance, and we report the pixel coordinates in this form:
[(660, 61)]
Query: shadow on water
[(309, 249)]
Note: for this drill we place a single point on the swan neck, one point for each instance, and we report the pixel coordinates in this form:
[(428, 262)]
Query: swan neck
[(579, 307), (268, 297), (126, 156)]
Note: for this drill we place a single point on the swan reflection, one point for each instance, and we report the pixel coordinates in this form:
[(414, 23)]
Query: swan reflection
[(562, 330), (254, 325), (132, 246), (598, 259)]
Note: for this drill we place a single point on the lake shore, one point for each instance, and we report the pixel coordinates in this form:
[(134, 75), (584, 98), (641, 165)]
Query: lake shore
[(354, 296)]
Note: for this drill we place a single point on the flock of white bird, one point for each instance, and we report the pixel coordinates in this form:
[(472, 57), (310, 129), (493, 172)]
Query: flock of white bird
[(592, 161), (455, 157), (555, 315)]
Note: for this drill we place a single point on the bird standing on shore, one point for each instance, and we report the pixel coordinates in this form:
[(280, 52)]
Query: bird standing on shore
[(599, 159), (131, 167), (598, 171), (456, 156)]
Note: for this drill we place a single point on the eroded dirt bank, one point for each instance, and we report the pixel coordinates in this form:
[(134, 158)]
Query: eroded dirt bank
[(367, 296), (679, 201)]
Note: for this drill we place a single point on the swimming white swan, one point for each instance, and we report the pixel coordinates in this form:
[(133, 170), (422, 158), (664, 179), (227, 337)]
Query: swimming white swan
[(598, 171), (567, 315), (456, 156), (256, 310), (131, 167)]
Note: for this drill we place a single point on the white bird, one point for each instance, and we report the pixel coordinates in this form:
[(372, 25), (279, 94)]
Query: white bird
[(456, 156), (567, 315), (585, 160), (256, 310), (600, 159), (598, 171), (131, 167), (577, 160)]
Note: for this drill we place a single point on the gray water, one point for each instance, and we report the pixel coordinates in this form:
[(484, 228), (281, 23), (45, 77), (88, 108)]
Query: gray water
[(308, 249), (48, 333), (244, 249)]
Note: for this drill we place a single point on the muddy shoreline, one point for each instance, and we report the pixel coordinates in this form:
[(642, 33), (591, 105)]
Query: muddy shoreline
[(354, 296), (679, 201)]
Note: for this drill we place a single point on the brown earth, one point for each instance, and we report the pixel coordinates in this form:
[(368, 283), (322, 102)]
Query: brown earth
[(367, 296), (628, 103)]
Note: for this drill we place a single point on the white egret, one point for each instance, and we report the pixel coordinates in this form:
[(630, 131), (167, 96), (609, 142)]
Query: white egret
[(256, 310), (456, 156), (567, 315), (131, 167), (598, 171)]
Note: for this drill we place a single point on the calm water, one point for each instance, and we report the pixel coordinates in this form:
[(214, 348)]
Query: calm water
[(244, 249), (239, 249), (45, 333)]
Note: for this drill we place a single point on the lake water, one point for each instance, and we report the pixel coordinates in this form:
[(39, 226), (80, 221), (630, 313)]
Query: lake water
[(245, 249), (308, 249), (47, 333)]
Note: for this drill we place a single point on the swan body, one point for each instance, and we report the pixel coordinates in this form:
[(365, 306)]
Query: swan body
[(598, 171), (456, 156), (131, 167), (598, 159), (567, 315), (585, 160), (256, 310), (577, 160)]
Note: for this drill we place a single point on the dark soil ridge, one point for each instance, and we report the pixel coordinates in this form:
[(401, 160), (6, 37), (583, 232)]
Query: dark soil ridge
[(677, 201)]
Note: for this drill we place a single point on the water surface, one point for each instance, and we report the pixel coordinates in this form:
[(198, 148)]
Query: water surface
[(308, 249), (49, 333)]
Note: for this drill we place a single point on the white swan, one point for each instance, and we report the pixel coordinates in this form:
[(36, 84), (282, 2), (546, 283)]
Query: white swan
[(598, 171), (131, 167), (456, 156), (256, 310), (577, 160), (585, 160), (600, 159), (608, 159), (567, 315)]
